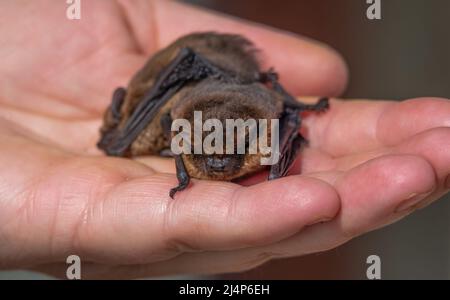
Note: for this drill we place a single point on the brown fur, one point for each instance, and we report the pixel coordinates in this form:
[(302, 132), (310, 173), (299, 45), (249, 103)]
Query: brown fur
[(243, 98)]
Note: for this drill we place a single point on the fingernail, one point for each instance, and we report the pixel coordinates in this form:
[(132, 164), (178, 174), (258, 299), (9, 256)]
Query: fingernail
[(447, 182), (413, 200), (321, 220)]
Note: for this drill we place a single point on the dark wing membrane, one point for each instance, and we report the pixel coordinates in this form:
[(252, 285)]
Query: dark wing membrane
[(290, 142), (290, 122), (112, 118), (186, 67)]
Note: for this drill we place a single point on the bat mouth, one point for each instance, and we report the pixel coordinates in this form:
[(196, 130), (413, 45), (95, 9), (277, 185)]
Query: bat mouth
[(218, 164), (224, 165)]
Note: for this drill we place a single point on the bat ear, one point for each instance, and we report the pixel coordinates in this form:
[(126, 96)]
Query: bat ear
[(269, 76)]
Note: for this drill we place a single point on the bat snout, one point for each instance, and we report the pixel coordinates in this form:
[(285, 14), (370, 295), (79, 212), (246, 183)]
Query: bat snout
[(222, 164), (218, 164)]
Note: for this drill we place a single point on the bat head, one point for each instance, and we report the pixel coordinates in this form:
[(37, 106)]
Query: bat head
[(225, 102)]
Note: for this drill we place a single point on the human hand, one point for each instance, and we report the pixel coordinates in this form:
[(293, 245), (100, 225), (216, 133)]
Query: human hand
[(60, 196)]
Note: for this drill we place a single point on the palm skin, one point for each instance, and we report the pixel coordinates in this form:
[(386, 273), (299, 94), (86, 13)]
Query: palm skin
[(369, 163)]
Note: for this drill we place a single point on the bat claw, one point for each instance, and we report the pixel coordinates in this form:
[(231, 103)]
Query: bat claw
[(176, 189), (173, 192), (323, 104)]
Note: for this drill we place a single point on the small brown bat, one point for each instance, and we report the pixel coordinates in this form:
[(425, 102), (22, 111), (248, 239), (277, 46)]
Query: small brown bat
[(219, 75)]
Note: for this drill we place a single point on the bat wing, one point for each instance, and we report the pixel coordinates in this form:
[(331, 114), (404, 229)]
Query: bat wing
[(187, 66), (290, 143), (291, 139)]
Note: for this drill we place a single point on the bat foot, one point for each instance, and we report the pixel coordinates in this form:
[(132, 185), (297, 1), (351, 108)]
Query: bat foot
[(182, 176), (178, 188), (322, 105)]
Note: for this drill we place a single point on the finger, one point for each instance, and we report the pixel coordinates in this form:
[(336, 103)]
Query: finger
[(46, 199), (305, 66), (86, 205), (319, 237), (413, 116), (371, 194), (356, 126), (433, 145), (207, 216), (412, 174)]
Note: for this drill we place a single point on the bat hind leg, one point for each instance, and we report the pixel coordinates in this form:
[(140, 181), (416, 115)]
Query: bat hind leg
[(182, 174), (321, 105)]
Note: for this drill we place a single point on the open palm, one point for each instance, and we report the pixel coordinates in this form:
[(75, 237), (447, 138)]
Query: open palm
[(369, 163)]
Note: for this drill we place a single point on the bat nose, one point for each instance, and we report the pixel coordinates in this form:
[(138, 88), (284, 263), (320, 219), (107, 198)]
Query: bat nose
[(218, 164)]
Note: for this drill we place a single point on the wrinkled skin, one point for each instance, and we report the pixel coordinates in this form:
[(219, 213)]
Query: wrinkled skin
[(369, 163)]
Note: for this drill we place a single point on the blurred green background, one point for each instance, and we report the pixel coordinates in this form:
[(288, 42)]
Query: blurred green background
[(403, 55)]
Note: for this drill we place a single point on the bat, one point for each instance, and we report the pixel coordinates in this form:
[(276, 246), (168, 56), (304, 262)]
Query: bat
[(219, 75)]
